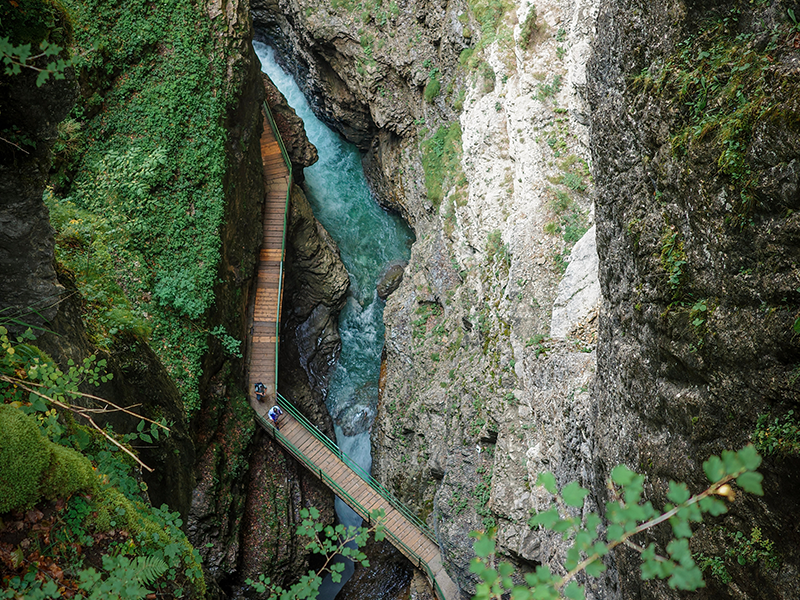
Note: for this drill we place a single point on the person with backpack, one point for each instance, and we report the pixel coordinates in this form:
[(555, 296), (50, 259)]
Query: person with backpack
[(273, 415)]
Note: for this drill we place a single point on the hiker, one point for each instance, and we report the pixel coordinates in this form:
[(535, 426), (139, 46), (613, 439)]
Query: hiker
[(273, 414), (260, 391)]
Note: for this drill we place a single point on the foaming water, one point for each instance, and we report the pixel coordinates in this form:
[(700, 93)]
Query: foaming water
[(369, 240)]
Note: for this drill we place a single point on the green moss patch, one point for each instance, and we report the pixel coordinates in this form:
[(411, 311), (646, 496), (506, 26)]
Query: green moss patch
[(33, 467), (723, 80), (441, 160)]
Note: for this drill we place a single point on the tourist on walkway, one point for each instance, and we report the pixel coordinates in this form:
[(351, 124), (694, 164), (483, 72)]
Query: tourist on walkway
[(273, 414)]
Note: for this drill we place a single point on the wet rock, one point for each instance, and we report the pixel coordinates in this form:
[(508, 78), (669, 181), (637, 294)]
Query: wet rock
[(29, 289), (387, 578), (302, 153), (359, 412), (316, 284), (390, 280)]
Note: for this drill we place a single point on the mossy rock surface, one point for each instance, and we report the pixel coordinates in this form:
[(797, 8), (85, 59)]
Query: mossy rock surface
[(32, 467)]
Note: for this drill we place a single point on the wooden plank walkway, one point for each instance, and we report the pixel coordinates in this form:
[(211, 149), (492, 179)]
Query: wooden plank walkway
[(309, 450), (266, 314), (402, 533)]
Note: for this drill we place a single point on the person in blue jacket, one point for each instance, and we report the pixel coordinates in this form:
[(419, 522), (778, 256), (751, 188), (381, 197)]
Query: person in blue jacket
[(273, 414)]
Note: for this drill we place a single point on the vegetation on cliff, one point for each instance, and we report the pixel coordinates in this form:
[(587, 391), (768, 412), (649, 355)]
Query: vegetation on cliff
[(139, 196)]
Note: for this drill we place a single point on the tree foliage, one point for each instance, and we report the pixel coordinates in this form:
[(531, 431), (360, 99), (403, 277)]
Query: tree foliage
[(626, 516), (329, 542)]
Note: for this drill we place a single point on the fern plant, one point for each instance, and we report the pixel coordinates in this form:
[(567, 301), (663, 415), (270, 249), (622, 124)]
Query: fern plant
[(126, 578)]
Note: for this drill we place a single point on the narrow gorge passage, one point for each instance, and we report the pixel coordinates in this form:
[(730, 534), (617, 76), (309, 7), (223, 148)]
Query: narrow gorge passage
[(370, 240)]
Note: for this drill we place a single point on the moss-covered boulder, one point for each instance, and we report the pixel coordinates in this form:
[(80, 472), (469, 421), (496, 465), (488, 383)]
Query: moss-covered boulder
[(32, 467)]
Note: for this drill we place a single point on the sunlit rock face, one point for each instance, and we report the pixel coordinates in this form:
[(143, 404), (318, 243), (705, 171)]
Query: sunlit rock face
[(471, 380)]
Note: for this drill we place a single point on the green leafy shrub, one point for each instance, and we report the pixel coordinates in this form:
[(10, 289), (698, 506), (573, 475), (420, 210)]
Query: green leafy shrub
[(441, 161), (151, 161), (529, 30), (433, 86), (548, 90), (575, 226), (673, 259), (715, 565), (39, 458), (92, 249), (40, 24), (754, 549), (779, 436), (327, 542), (496, 249), (627, 516)]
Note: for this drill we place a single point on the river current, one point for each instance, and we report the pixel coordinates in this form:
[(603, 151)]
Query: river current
[(369, 239)]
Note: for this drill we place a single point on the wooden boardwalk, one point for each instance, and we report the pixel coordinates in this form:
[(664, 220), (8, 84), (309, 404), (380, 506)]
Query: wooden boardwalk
[(266, 314), (294, 436), (326, 465)]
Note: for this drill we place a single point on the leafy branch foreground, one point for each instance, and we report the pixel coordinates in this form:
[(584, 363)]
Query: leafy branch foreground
[(329, 542), (627, 516)]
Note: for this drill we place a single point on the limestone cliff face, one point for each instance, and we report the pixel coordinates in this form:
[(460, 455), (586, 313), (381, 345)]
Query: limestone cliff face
[(482, 387), (690, 355)]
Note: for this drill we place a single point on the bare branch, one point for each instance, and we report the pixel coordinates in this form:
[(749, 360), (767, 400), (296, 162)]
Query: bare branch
[(91, 397), (17, 146), (78, 411)]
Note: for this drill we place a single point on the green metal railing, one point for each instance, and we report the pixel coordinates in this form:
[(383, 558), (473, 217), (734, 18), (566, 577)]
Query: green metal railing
[(393, 501), (345, 496), (288, 163)]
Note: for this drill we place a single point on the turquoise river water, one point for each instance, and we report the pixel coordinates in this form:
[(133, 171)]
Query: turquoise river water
[(369, 239)]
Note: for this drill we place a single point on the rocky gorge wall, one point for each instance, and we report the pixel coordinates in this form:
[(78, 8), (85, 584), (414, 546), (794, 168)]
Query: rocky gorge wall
[(690, 355), (489, 372), (239, 495), (476, 396)]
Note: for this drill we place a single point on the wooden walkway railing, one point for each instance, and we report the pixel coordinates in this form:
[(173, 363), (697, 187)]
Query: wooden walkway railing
[(301, 438)]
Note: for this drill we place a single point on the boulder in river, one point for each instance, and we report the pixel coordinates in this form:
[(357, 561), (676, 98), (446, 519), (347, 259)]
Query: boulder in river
[(390, 280)]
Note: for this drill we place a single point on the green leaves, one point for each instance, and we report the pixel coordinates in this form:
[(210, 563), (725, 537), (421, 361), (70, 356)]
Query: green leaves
[(678, 492), (547, 518), (15, 58), (484, 545), (751, 482), (548, 481), (622, 475), (574, 494), (714, 469)]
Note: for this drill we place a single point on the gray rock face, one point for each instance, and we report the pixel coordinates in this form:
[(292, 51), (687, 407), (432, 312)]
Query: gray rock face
[(677, 382), (302, 152), (463, 375), (316, 284), (29, 289), (579, 291)]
